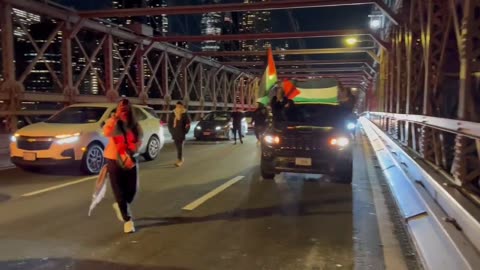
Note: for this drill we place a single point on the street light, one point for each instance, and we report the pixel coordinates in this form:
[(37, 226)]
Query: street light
[(351, 41), (375, 24)]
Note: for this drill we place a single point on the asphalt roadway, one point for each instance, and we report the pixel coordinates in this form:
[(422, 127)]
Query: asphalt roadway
[(215, 212)]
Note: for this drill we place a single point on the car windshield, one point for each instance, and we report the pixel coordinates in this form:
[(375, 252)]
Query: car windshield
[(318, 115), (78, 115), (218, 116)]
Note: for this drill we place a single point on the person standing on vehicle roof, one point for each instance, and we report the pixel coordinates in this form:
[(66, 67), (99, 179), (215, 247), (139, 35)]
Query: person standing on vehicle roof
[(125, 138), (282, 107), (259, 120), (237, 117), (179, 125)]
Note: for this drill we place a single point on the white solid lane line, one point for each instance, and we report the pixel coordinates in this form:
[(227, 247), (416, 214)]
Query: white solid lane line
[(212, 193), (59, 186)]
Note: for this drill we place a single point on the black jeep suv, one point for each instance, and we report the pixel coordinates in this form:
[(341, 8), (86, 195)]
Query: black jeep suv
[(316, 139)]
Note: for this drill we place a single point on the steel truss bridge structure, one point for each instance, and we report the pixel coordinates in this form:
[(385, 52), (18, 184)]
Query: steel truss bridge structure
[(418, 80), (424, 64)]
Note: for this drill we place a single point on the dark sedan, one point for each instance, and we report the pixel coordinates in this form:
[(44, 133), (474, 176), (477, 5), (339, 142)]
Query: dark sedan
[(217, 125)]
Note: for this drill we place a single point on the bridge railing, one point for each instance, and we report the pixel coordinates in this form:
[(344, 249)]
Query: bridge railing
[(52, 55), (451, 146), (443, 223)]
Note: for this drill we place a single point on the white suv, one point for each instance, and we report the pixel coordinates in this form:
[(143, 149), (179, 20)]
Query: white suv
[(74, 135)]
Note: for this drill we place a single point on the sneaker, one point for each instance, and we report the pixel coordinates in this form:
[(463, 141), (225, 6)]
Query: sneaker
[(129, 227), (179, 163), (118, 212)]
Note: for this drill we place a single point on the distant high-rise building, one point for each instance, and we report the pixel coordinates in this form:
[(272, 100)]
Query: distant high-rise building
[(255, 22), (283, 47), (229, 27), (159, 23), (129, 4), (40, 78), (211, 24)]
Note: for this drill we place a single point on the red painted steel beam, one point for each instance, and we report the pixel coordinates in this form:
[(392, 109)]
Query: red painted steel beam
[(303, 70), (285, 52), (323, 75), (236, 7), (296, 63), (276, 36)]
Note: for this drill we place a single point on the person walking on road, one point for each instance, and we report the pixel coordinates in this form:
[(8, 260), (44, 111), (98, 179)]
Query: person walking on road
[(125, 139), (237, 117), (259, 120), (179, 125)]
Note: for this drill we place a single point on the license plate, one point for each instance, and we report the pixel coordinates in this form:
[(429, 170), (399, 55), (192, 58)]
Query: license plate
[(303, 161), (29, 156), (206, 133)]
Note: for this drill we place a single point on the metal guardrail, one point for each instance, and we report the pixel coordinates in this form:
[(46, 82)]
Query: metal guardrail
[(466, 128), (451, 146), (444, 225)]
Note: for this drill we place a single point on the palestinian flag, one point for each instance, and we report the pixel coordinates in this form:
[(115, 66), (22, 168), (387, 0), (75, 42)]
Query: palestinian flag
[(291, 91), (323, 91), (269, 79)]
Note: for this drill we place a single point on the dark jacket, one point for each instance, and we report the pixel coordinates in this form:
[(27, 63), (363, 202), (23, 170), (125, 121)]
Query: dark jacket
[(260, 116), (282, 110), (181, 129), (237, 120)]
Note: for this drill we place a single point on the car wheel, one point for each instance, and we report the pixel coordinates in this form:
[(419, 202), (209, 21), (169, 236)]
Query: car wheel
[(93, 159), (345, 173), (153, 148), (267, 170)]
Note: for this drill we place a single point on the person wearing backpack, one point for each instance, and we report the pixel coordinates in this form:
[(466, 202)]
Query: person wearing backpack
[(125, 139)]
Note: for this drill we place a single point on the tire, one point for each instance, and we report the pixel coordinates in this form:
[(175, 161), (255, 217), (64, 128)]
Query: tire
[(153, 148), (266, 170), (93, 160), (345, 173)]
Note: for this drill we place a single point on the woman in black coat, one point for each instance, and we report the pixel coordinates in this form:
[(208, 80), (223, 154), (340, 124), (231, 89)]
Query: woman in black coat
[(179, 125)]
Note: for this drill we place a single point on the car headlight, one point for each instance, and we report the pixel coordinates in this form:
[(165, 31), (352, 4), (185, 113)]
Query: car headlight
[(340, 141), (14, 138), (218, 128), (67, 138), (351, 126), (271, 139), (198, 128)]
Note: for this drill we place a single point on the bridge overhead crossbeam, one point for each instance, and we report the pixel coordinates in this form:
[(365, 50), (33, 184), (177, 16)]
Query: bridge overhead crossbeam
[(277, 36)]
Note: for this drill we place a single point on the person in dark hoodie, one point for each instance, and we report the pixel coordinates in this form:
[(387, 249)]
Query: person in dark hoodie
[(283, 108), (259, 120), (179, 125), (237, 117)]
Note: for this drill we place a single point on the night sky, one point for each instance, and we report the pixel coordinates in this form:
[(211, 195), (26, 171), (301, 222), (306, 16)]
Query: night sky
[(308, 19)]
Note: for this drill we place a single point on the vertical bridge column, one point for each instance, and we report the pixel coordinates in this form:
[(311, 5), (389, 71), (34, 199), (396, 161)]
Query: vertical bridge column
[(10, 85)]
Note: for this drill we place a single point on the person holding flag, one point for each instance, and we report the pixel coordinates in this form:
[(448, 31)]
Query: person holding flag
[(282, 106), (125, 138)]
